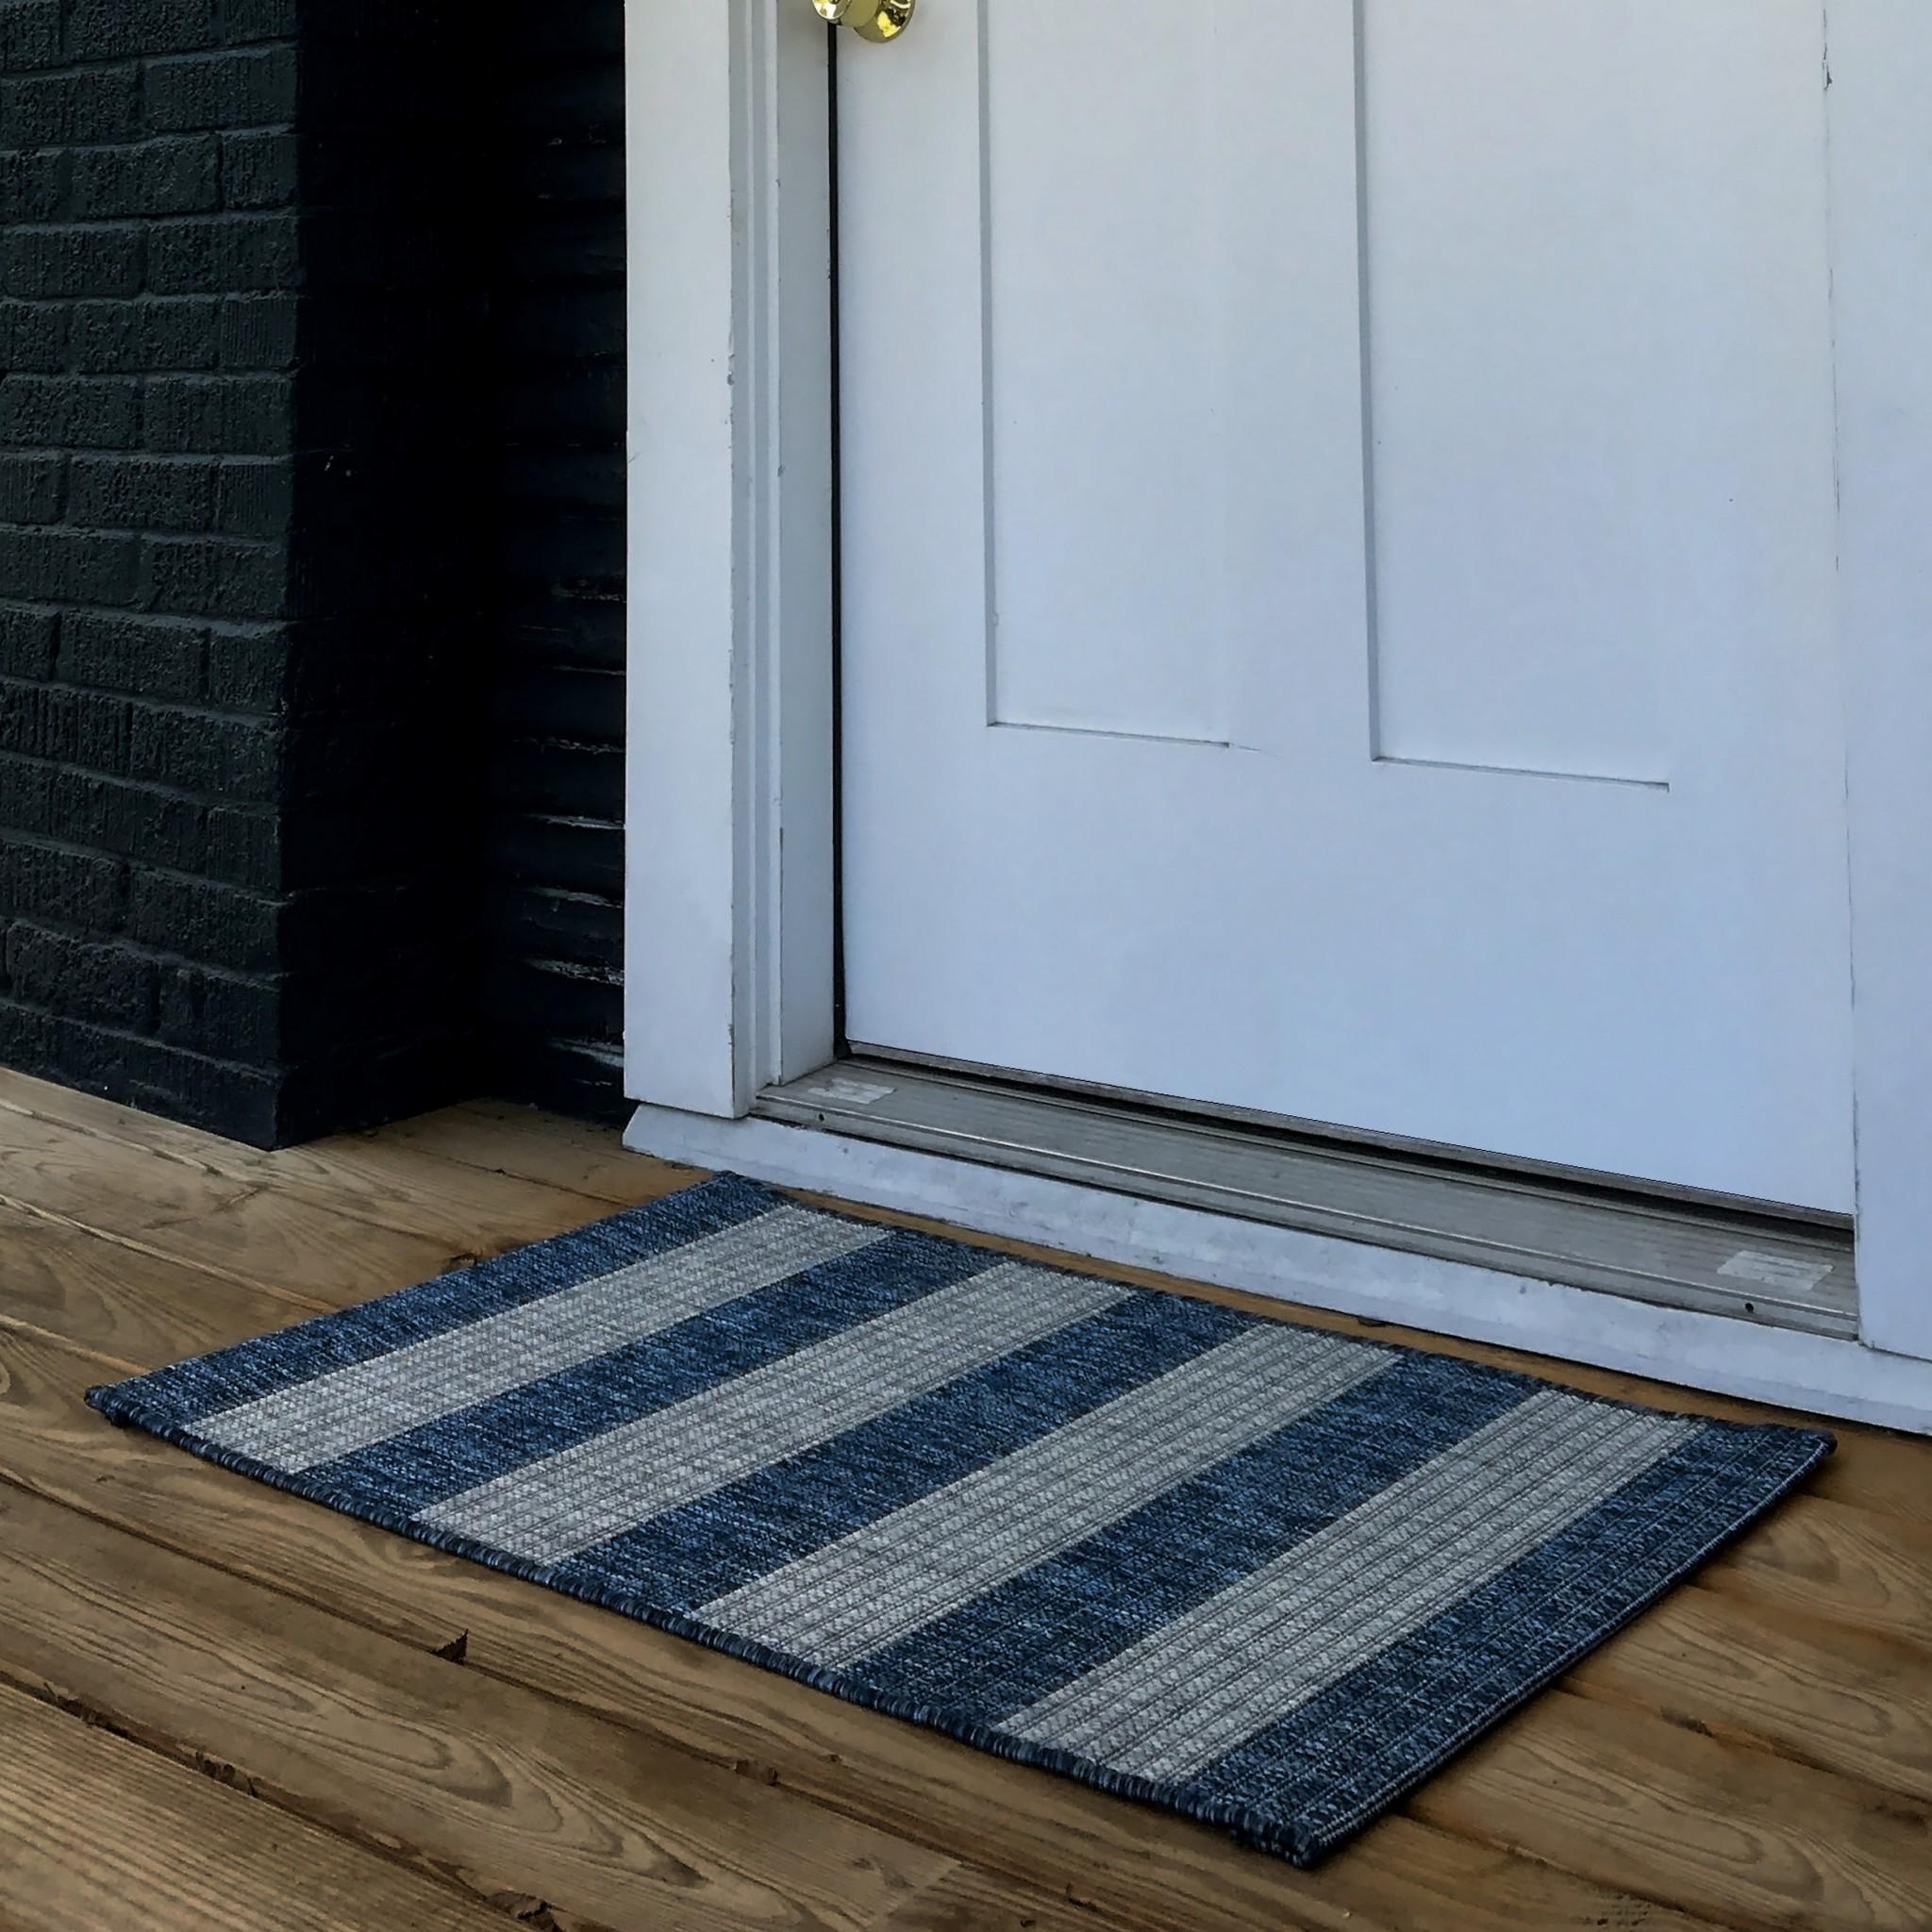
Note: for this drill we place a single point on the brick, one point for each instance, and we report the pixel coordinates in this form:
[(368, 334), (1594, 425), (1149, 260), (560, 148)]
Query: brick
[(142, 493), (258, 331), (159, 658), (583, 707), (28, 1039), (26, 794), (568, 406), (197, 751), (222, 1013), (48, 721), (555, 172), (96, 104), (248, 669), (152, 177), (242, 253), (213, 576), (30, 35), (33, 335), (244, 1103), (260, 170), (92, 980), (567, 555), (69, 566), (219, 925), (31, 488), (164, 743), (261, 20), (145, 335), (139, 821), (79, 889), (27, 638), (65, 413), (96, 261), (244, 848), (227, 415), (33, 184), (254, 498), (596, 29), (255, 88), (552, 325), (100, 29)]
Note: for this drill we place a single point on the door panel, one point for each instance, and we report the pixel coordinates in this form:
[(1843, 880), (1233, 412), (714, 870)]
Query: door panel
[(1339, 561)]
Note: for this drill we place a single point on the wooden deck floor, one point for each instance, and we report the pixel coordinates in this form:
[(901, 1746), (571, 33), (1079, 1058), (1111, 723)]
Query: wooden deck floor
[(220, 1707)]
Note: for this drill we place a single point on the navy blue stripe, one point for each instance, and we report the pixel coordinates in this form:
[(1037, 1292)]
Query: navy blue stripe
[(698, 1552), (1356, 1747), (476, 1444), (1071, 1612), (258, 1367)]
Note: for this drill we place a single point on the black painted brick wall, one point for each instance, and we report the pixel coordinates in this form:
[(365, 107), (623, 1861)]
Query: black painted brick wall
[(551, 996), (240, 532)]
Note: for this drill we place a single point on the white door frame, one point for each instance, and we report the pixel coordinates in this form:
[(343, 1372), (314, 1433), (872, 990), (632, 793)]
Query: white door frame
[(729, 932)]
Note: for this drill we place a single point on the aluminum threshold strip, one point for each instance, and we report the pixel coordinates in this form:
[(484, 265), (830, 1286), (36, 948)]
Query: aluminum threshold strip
[(1768, 1267)]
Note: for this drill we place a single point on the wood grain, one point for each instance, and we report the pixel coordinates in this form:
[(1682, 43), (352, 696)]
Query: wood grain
[(1831, 1561), (1756, 1753), (1741, 1838), (502, 1138), (1147, 1868), (469, 1776), (1828, 1695), (131, 1308), (334, 1222), (101, 1836)]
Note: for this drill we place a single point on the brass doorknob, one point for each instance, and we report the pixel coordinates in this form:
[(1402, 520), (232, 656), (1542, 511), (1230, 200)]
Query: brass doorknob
[(871, 20)]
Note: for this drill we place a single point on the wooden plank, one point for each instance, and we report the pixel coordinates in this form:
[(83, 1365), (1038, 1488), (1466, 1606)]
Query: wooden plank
[(291, 1220), (1830, 1561), (1831, 1697), (968, 1899), (500, 1137), (135, 1308), (456, 1773), (1847, 1567), (1151, 1869), (390, 1178), (1743, 1839), (97, 1833), (256, 1232), (1842, 1700)]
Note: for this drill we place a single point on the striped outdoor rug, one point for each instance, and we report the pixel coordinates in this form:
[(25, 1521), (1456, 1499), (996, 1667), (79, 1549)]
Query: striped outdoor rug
[(1264, 1576)]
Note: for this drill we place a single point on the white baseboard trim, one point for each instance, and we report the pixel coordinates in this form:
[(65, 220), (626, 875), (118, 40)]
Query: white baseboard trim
[(1831, 1377)]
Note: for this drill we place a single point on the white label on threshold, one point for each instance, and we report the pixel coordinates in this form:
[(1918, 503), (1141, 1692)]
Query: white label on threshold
[(847, 1092), (1788, 1271)]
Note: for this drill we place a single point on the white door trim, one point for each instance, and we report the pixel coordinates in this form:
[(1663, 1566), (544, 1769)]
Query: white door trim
[(729, 964), (1881, 76), (728, 886)]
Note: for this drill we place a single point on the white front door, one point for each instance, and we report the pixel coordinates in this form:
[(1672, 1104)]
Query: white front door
[(1338, 541)]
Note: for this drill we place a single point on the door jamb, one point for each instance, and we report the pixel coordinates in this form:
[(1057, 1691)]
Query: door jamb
[(729, 875), (731, 868)]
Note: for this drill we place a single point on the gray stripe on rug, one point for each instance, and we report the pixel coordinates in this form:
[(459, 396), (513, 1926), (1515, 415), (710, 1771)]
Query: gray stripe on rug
[(335, 1414), (559, 1505), (1192, 1690), (940, 1553)]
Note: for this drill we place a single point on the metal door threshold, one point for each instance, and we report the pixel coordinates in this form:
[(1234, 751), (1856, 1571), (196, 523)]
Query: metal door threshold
[(1719, 1258)]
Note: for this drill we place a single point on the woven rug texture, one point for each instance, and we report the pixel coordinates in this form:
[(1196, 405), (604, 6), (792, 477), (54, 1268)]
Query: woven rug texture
[(1265, 1575)]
